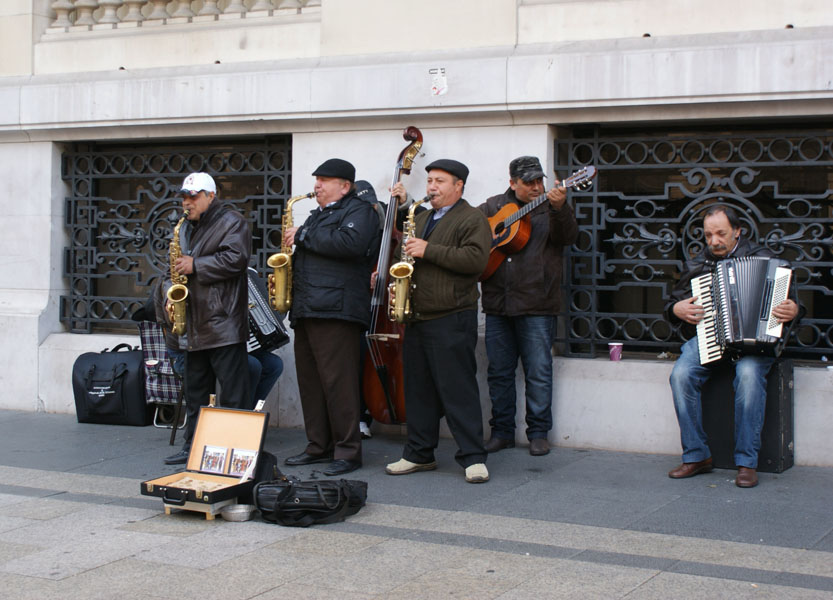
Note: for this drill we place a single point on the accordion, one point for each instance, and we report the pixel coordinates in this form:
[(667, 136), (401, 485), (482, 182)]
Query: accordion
[(265, 329), (738, 297)]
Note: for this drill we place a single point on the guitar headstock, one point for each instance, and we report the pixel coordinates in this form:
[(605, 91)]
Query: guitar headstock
[(581, 179)]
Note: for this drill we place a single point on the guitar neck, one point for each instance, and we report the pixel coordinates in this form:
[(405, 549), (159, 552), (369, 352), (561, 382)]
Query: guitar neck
[(580, 179), (524, 210)]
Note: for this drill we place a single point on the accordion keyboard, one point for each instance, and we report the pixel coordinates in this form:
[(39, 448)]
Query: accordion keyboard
[(708, 340)]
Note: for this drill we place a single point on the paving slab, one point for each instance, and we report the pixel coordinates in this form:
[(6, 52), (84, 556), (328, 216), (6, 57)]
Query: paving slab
[(575, 523)]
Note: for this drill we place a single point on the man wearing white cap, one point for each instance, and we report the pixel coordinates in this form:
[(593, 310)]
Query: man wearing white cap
[(215, 243)]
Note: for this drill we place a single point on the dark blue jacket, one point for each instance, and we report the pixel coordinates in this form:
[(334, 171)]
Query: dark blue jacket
[(335, 254)]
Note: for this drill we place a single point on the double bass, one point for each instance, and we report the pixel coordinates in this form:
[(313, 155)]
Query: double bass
[(382, 380)]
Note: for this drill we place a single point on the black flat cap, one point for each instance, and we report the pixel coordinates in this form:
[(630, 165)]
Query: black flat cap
[(454, 167), (335, 167), (526, 168)]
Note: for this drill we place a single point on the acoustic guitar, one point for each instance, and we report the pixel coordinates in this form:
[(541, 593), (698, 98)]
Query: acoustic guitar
[(511, 225)]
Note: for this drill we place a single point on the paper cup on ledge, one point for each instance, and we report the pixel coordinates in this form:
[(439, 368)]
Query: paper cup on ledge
[(615, 349)]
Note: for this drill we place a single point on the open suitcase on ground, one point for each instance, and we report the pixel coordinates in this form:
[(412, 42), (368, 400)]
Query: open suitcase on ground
[(221, 465)]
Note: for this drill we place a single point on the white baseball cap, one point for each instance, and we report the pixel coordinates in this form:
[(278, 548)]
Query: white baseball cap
[(198, 182)]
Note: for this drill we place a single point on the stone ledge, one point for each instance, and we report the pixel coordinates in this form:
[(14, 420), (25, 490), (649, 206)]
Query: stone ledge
[(621, 406)]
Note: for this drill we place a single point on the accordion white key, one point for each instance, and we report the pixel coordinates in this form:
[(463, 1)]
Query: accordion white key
[(738, 297)]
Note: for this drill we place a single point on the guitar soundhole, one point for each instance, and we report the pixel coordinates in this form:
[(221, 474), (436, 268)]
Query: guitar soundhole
[(499, 228)]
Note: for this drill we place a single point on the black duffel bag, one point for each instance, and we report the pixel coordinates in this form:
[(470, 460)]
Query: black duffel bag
[(295, 503), (109, 387)]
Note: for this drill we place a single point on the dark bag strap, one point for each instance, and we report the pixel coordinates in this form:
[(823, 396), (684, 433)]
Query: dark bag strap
[(119, 369), (122, 346)]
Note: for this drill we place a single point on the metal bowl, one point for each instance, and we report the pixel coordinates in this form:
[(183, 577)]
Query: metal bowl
[(237, 512)]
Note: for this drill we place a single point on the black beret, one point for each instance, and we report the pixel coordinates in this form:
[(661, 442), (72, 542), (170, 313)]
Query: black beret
[(526, 168), (454, 167), (335, 167)]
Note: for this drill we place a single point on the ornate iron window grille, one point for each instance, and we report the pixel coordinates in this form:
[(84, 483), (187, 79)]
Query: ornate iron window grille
[(642, 219), (121, 208)]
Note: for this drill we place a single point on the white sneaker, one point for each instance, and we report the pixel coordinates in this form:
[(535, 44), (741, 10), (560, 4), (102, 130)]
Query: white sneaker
[(403, 467), (477, 473), (364, 428)]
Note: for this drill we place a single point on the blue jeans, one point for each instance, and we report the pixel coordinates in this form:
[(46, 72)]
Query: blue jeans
[(687, 379), (264, 370), (177, 358), (530, 339)]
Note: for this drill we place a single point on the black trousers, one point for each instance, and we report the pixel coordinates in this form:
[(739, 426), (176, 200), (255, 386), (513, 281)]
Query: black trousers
[(327, 365), (203, 368), (441, 380)]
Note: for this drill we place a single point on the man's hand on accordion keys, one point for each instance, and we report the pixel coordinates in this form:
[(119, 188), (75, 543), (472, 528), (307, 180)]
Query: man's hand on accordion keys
[(686, 310), (786, 311)]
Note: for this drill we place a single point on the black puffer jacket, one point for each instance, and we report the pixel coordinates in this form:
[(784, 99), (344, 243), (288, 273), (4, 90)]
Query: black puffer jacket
[(218, 295), (335, 253)]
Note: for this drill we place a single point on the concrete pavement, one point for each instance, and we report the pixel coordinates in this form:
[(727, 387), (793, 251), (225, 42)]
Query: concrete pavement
[(575, 523)]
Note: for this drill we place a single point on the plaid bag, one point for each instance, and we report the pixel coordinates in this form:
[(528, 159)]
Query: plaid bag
[(161, 385)]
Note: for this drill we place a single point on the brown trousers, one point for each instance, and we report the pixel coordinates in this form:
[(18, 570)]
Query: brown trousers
[(327, 365)]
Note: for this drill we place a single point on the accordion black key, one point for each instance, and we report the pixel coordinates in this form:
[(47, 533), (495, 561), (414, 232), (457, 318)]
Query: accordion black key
[(738, 296)]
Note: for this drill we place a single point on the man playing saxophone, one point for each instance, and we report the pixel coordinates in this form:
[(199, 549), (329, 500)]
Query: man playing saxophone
[(214, 255), (335, 251), (450, 250)]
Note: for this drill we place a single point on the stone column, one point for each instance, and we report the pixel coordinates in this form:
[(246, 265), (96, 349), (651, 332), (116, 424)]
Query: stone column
[(261, 5), (62, 9), (183, 9), (158, 11), (235, 6), (110, 8), (288, 5), (84, 12), (134, 11), (209, 7)]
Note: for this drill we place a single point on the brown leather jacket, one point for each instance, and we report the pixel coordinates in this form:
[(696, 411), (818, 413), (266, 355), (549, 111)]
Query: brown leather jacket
[(218, 297)]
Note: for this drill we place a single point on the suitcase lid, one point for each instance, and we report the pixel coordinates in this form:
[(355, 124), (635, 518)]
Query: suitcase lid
[(226, 440)]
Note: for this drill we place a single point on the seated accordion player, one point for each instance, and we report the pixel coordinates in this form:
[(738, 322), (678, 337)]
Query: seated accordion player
[(738, 297)]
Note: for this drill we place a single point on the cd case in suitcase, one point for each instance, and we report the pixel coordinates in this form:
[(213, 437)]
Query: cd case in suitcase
[(221, 464)]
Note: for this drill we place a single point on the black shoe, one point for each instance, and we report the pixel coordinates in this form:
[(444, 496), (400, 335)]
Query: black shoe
[(342, 466), (539, 446), (496, 444), (307, 459), (180, 458)]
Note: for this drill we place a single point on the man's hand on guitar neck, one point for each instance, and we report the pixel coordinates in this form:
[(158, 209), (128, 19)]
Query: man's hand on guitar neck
[(557, 195)]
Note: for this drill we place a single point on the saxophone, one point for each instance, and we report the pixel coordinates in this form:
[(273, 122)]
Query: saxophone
[(280, 280), (178, 292), (401, 288)]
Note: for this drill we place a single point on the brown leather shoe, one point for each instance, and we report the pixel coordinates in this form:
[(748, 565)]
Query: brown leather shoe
[(539, 446), (746, 477), (495, 444), (691, 469)]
